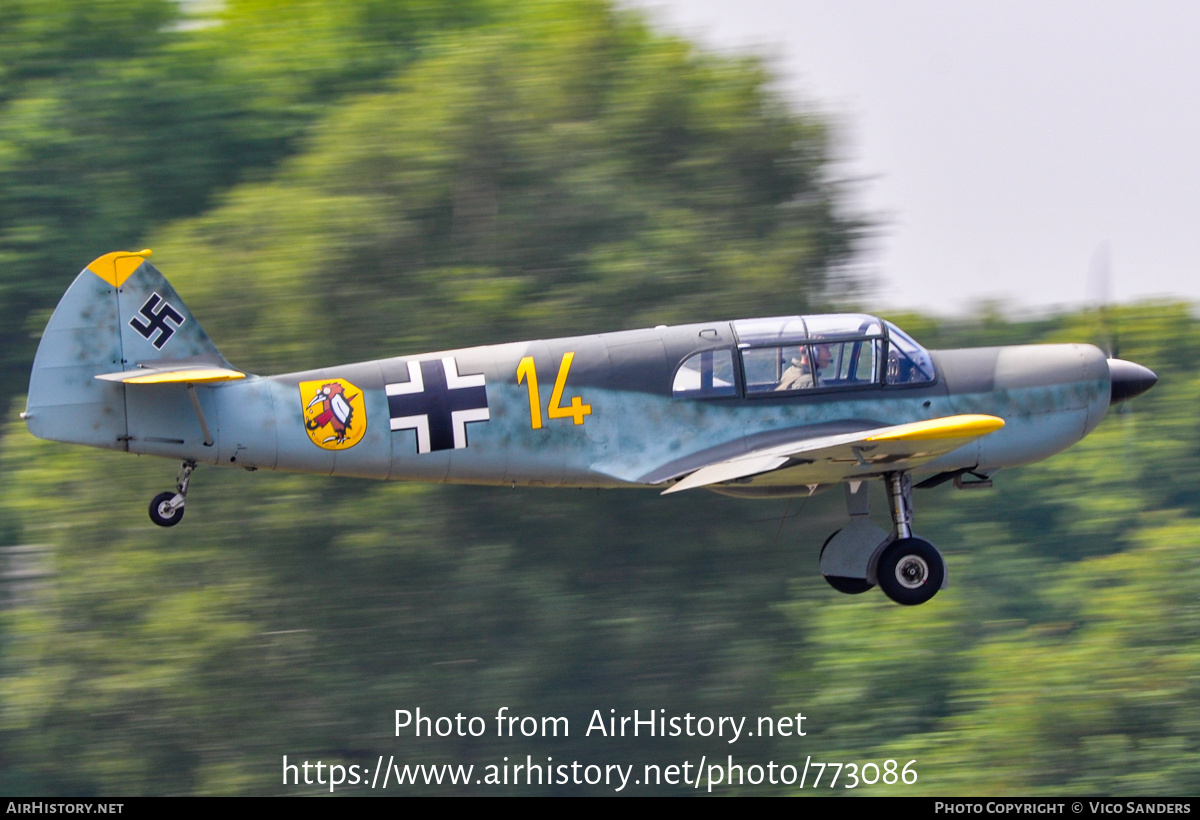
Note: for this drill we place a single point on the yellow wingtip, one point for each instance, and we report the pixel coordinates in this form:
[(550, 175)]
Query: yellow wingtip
[(964, 426), (114, 268)]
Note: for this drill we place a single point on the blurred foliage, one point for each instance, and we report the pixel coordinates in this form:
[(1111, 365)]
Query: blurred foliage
[(119, 115), (372, 178), (568, 172)]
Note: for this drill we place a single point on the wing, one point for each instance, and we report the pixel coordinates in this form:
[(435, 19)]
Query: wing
[(826, 459)]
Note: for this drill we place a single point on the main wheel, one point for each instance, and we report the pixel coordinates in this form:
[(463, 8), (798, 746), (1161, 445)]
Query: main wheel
[(910, 571), (848, 586), (161, 512)]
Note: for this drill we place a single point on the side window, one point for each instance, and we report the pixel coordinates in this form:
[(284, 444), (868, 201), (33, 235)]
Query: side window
[(809, 366), (861, 359), (764, 367), (705, 374), (837, 364)]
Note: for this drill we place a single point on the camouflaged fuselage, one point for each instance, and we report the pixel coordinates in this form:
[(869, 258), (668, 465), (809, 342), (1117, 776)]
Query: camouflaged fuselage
[(584, 411), (636, 432)]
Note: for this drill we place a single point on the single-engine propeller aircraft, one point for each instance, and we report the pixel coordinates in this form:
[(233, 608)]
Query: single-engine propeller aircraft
[(758, 408)]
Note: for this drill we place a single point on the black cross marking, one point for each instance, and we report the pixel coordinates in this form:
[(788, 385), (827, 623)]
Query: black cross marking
[(437, 404), (157, 321)]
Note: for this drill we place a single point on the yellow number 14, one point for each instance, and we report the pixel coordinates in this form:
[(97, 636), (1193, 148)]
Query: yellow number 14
[(527, 374)]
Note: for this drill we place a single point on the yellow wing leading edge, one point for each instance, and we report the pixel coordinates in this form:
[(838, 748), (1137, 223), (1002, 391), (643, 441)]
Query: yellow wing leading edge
[(949, 427)]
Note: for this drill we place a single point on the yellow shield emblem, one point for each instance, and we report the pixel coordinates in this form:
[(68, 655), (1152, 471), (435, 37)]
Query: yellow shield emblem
[(335, 415)]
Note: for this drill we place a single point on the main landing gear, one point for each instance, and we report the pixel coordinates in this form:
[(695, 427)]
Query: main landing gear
[(166, 509), (908, 569)]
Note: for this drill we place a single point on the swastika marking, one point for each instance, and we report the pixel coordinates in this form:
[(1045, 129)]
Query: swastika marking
[(150, 321)]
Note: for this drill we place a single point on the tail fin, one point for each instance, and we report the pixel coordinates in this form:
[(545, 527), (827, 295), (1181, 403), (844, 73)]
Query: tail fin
[(119, 315)]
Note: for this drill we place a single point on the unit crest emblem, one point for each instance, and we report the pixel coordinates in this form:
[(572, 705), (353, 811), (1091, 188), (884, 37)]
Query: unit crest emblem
[(335, 415)]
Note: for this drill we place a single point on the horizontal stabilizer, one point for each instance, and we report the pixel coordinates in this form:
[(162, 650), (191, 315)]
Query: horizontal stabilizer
[(813, 460)]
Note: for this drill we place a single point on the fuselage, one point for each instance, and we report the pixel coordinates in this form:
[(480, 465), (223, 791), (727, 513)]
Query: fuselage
[(630, 408)]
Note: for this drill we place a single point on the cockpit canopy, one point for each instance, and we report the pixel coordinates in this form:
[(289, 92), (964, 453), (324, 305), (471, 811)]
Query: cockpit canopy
[(789, 354), (785, 329)]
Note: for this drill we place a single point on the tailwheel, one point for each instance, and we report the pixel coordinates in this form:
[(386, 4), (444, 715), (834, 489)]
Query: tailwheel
[(910, 571), (163, 512), (166, 509)]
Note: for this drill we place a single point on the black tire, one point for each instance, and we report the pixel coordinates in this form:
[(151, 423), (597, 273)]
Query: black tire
[(847, 586), (161, 514), (910, 571)]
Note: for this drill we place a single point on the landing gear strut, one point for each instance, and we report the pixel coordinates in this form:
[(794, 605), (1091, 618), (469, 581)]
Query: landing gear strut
[(910, 570), (166, 509), (860, 555)]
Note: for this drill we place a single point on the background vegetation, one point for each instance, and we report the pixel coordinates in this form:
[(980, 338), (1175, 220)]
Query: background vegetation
[(368, 178)]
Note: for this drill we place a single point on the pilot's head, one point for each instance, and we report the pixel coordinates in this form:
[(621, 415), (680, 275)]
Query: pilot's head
[(824, 354)]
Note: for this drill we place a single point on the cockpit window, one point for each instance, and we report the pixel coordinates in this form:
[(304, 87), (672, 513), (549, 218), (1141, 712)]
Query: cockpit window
[(792, 353), (705, 374), (811, 366), (908, 362)]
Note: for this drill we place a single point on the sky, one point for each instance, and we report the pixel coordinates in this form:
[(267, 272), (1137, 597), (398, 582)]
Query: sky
[(1007, 150)]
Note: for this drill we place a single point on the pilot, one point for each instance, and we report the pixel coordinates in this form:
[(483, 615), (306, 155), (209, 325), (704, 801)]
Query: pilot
[(801, 375)]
